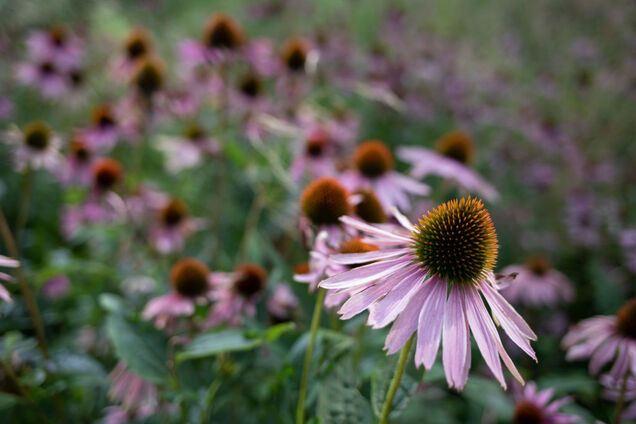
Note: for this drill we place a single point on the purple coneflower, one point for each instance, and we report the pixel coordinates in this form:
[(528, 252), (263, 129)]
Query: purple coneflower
[(34, 147), (137, 45), (138, 397), (604, 339), (314, 156), (373, 170), (222, 40), (191, 283), (172, 227), (79, 162), (623, 392), (537, 283), (431, 279), (56, 45), (455, 152), (188, 150), (43, 76), (6, 262), (104, 131), (235, 294), (535, 407), (282, 304), (322, 203)]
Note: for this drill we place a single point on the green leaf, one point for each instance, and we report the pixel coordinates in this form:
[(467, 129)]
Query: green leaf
[(380, 382), (209, 344), (111, 303), (140, 346), (488, 394), (340, 402), (231, 340), (7, 400)]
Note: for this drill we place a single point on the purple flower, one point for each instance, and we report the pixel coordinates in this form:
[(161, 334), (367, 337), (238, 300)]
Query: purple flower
[(373, 170), (431, 279), (56, 287), (537, 284), (173, 225), (282, 304), (34, 147), (537, 406), (138, 397), (451, 161), (235, 294), (605, 340), (6, 262), (188, 150), (191, 283)]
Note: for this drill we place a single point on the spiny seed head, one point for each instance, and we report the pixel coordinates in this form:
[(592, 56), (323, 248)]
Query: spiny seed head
[(194, 132), (37, 135), (223, 32), (58, 35), (539, 265), (173, 213), (527, 413), (316, 143), (301, 268), (79, 149), (138, 44), (457, 241), (149, 76), (294, 54), (250, 85), (107, 173), (250, 279), (356, 245), (369, 207), (373, 159), (626, 319), (103, 116), (458, 146), (189, 277), (324, 201)]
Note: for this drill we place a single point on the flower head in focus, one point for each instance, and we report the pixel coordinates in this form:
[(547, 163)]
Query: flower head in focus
[(431, 279)]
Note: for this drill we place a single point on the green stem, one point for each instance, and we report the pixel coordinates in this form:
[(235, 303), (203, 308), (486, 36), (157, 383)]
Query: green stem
[(209, 398), (25, 201), (620, 403), (309, 353), (395, 382), (25, 288)]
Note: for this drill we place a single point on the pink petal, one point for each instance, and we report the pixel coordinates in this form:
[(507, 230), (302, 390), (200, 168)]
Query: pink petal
[(431, 318)]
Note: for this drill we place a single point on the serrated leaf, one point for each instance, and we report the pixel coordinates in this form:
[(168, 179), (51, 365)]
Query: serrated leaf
[(340, 402), (380, 382), (140, 346)]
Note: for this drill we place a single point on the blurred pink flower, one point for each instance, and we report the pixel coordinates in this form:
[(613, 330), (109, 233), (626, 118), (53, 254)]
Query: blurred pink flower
[(56, 45), (606, 340), (373, 170), (188, 150), (314, 156), (79, 163), (431, 279), (191, 283), (235, 294), (56, 287), (612, 391), (455, 151), (172, 226), (537, 284), (537, 406), (6, 262), (138, 397), (35, 146), (282, 304)]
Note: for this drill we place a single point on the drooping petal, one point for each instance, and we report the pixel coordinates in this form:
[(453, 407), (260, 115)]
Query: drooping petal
[(430, 322), (456, 349)]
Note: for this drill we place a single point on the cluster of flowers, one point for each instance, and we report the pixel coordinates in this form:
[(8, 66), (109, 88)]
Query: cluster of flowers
[(430, 276)]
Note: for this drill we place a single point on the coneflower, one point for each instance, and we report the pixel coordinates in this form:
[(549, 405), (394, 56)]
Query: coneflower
[(431, 279), (452, 160), (373, 169), (35, 146)]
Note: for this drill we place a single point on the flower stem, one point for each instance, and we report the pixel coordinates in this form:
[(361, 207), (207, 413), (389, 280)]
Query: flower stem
[(25, 200), (25, 288), (315, 322), (395, 382), (620, 403)]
